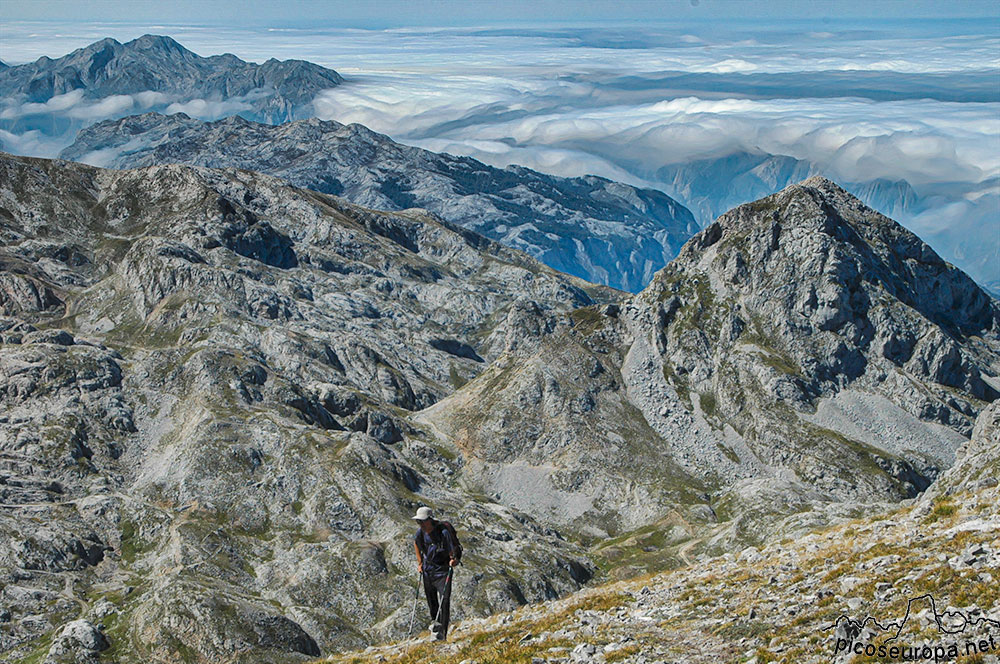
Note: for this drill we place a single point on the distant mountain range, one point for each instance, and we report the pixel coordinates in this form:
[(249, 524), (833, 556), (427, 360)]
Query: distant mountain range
[(713, 186), (154, 72), (603, 231)]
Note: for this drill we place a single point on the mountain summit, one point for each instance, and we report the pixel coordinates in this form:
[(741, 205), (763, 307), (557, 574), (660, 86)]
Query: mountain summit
[(274, 91)]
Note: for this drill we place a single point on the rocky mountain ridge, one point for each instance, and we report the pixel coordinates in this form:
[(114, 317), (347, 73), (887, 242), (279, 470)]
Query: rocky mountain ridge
[(711, 187), (223, 396), (43, 104), (599, 230), (205, 381), (800, 355)]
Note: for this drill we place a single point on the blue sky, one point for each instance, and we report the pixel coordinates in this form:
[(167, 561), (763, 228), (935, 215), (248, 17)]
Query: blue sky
[(397, 13)]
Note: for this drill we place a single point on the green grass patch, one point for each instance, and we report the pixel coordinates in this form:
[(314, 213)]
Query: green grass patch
[(456, 380), (708, 404), (943, 508), (587, 320), (728, 452)]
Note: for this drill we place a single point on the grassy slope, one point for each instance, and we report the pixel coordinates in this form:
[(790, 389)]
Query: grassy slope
[(779, 608)]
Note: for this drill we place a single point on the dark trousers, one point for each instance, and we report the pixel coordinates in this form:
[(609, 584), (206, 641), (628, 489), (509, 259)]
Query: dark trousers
[(434, 585)]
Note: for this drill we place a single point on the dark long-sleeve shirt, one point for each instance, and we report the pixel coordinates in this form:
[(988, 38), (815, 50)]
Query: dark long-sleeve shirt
[(437, 547)]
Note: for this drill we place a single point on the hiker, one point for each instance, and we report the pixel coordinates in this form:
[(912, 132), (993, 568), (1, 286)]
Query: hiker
[(437, 555)]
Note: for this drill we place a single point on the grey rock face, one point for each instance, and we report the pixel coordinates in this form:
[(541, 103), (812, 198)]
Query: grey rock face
[(710, 187), (812, 300), (978, 462), (802, 354), (205, 386), (222, 397), (275, 91), (78, 642), (603, 231)]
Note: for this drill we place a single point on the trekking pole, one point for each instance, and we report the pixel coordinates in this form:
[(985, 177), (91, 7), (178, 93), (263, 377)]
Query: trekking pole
[(447, 593), (409, 630)]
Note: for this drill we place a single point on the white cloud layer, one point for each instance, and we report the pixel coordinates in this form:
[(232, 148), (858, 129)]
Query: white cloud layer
[(204, 109), (921, 141)]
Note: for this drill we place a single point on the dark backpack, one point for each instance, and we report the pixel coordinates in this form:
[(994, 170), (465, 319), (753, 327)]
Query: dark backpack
[(454, 536), (446, 525)]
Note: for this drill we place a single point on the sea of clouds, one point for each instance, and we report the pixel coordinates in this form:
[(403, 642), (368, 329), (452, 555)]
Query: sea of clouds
[(917, 101)]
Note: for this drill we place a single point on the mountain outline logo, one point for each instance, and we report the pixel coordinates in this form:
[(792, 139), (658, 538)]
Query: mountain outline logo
[(855, 627)]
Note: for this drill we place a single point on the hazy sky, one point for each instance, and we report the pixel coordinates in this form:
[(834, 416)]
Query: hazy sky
[(396, 13)]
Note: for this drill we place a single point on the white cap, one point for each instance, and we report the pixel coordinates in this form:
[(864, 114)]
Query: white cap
[(423, 514)]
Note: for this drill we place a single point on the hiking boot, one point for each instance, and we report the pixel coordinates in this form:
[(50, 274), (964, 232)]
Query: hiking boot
[(435, 627)]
